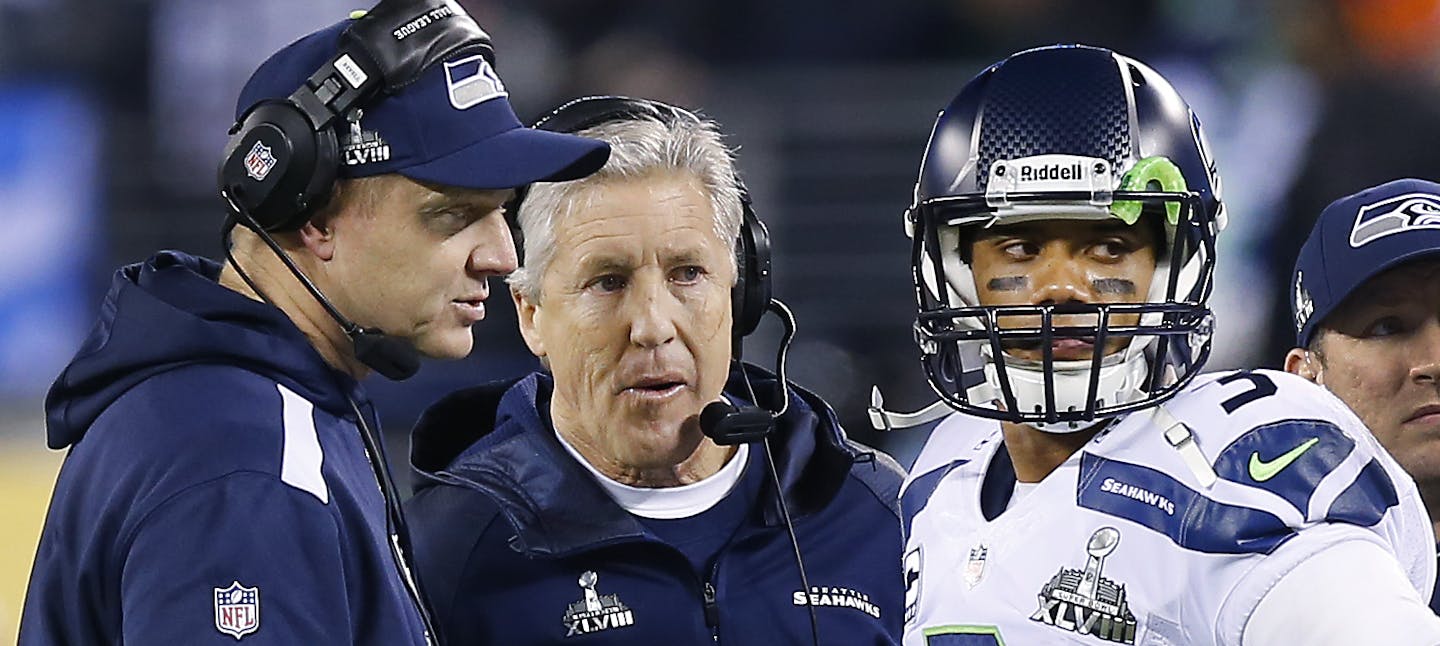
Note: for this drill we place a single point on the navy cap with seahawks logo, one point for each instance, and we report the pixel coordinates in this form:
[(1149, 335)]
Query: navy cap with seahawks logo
[(1357, 238), (452, 126)]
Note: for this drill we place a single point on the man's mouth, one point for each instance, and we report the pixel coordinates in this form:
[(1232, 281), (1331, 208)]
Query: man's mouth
[(1060, 349), (471, 309), (1426, 414), (655, 387)]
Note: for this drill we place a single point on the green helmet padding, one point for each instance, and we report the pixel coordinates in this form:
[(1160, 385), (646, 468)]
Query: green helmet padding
[(1159, 170)]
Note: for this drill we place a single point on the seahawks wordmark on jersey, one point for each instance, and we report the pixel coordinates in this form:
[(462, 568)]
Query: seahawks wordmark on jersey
[(1132, 542)]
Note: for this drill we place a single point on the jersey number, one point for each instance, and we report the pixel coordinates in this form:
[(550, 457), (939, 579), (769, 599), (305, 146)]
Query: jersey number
[(1260, 388), (963, 636)]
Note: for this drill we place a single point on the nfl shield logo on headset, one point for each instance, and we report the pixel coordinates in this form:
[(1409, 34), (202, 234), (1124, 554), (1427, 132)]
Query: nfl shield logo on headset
[(237, 610), (259, 161)]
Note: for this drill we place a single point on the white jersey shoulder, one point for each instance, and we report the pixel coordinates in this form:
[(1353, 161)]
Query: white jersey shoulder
[(1168, 527), (957, 438)]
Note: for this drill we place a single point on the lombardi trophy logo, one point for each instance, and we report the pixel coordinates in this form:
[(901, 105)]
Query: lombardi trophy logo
[(595, 612), (1083, 601)]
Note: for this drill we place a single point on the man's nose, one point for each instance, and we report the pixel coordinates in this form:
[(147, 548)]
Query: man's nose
[(1059, 278), (1427, 353), (494, 252), (652, 312)]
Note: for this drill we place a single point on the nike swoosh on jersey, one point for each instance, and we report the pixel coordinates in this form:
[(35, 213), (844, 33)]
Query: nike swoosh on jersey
[(1261, 470)]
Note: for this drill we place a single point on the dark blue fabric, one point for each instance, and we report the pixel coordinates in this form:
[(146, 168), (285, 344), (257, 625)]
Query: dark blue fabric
[(1162, 503), (701, 537), (1297, 480), (999, 484), (508, 524), (1435, 596), (1367, 499), (172, 487), (917, 495)]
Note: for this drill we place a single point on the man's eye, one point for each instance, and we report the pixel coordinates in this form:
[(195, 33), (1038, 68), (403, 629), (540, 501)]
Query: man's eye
[(451, 220), (1111, 249), (1386, 326), (688, 274), (609, 283), (1019, 249)]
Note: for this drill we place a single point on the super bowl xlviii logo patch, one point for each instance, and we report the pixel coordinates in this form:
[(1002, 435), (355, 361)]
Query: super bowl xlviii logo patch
[(259, 161), (1083, 601), (237, 610), (836, 597), (1304, 305), (595, 612), (472, 81), (1395, 215), (363, 146)]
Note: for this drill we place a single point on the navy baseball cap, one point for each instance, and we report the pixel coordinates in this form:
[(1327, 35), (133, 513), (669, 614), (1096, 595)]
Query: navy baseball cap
[(1358, 237), (452, 126)]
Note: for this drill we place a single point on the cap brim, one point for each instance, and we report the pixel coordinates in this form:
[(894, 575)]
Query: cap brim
[(1317, 318), (514, 158)]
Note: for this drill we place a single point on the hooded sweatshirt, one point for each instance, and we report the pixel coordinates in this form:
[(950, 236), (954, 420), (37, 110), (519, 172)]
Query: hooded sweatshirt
[(518, 543), (217, 486)]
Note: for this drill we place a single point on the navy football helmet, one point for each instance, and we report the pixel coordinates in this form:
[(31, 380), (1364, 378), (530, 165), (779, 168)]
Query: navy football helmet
[(1070, 132)]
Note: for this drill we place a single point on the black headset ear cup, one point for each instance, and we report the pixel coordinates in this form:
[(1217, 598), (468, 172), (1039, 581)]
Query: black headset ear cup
[(278, 167), (751, 296)]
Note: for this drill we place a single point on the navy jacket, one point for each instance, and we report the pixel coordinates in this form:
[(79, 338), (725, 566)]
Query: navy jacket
[(517, 544), (217, 486)]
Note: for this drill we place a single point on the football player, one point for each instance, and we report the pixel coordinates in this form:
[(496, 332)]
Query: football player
[(1092, 488)]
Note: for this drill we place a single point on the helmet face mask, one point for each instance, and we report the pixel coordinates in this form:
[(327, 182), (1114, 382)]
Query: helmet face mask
[(1138, 157)]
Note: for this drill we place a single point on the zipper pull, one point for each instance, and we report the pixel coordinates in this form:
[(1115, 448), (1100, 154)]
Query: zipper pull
[(712, 609)]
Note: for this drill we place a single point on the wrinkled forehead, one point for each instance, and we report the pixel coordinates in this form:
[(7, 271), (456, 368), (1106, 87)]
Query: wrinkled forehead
[(629, 217)]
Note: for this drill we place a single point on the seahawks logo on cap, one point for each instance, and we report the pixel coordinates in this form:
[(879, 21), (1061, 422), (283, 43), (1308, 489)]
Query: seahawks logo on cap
[(1395, 215), (472, 81)]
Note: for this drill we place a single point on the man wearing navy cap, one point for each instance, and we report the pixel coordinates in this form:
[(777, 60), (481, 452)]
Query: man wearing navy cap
[(1366, 304), (224, 481)]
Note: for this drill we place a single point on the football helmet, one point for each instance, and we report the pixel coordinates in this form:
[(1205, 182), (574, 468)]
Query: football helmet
[(1071, 132)]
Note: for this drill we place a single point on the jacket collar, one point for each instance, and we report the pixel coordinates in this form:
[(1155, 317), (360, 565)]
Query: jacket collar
[(497, 439)]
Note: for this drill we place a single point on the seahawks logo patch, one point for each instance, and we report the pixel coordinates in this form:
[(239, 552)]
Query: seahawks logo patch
[(1398, 214)]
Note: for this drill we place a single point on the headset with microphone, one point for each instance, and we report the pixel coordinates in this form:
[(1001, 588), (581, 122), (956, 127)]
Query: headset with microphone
[(283, 157), (723, 422)]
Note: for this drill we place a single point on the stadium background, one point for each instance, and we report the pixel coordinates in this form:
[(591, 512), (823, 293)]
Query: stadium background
[(113, 112)]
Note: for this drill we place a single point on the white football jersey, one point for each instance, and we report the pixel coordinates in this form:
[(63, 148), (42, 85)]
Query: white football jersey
[(1166, 528)]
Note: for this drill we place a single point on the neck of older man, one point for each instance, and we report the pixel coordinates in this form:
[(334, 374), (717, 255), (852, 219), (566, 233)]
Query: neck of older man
[(286, 293), (1036, 454), (704, 461)]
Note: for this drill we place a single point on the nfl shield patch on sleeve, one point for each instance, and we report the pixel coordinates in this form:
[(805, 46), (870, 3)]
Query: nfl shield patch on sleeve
[(237, 610)]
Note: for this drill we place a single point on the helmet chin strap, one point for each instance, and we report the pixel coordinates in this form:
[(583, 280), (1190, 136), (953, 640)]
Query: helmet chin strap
[(1120, 381)]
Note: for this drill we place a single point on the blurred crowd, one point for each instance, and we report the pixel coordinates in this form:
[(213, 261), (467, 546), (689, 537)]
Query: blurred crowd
[(113, 115)]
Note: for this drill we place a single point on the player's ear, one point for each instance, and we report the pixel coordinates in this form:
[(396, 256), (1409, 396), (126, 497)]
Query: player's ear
[(1303, 362)]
